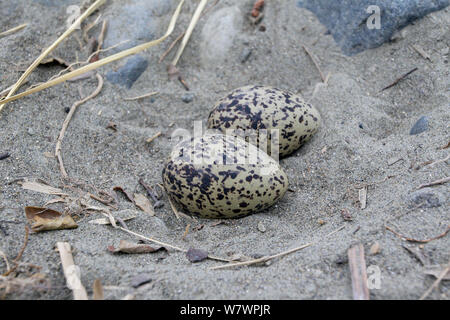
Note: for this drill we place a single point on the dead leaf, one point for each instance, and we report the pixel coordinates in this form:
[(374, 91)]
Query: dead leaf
[(122, 190), (40, 187), (98, 290), (44, 219), (143, 203), (56, 200), (129, 247), (196, 255)]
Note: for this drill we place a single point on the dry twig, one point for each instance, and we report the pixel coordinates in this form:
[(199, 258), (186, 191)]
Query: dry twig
[(69, 268), (30, 69), (19, 255), (436, 283), (141, 96), (265, 259), (99, 63), (357, 265), (67, 120), (399, 79), (316, 63), (434, 183), (416, 240)]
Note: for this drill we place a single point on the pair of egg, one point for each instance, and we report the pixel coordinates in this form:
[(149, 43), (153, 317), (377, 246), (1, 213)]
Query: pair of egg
[(221, 175)]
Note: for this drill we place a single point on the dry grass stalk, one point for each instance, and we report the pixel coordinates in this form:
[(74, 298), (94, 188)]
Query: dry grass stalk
[(265, 259), (12, 30), (99, 63), (72, 28), (149, 140), (67, 121), (189, 30), (141, 96)]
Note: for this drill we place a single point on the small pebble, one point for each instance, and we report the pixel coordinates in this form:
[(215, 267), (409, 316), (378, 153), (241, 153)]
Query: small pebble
[(246, 53), (196, 255), (374, 249), (129, 72), (187, 97), (261, 227), (140, 280), (420, 126), (67, 109), (425, 198)]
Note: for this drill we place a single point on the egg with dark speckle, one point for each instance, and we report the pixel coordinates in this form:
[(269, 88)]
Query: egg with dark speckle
[(220, 176), (288, 121)]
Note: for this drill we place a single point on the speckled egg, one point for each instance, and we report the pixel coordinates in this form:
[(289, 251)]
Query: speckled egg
[(219, 176), (253, 108)]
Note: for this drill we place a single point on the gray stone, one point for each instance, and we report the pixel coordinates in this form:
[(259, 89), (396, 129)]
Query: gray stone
[(347, 19), (137, 22), (219, 33), (196, 255), (187, 97), (140, 280), (420, 126), (425, 198), (129, 72)]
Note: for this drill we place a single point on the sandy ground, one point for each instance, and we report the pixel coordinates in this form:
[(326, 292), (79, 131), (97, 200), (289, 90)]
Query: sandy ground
[(363, 132)]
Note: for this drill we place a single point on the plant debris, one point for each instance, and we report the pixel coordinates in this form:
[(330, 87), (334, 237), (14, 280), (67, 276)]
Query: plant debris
[(149, 140), (122, 190), (44, 219), (441, 276), (196, 255), (417, 253), (435, 271), (71, 271), (268, 258), (375, 249), (416, 240), (12, 30), (363, 197), (97, 289), (357, 264), (41, 187), (434, 183), (257, 8), (399, 79), (143, 203), (134, 248), (106, 221), (345, 213)]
